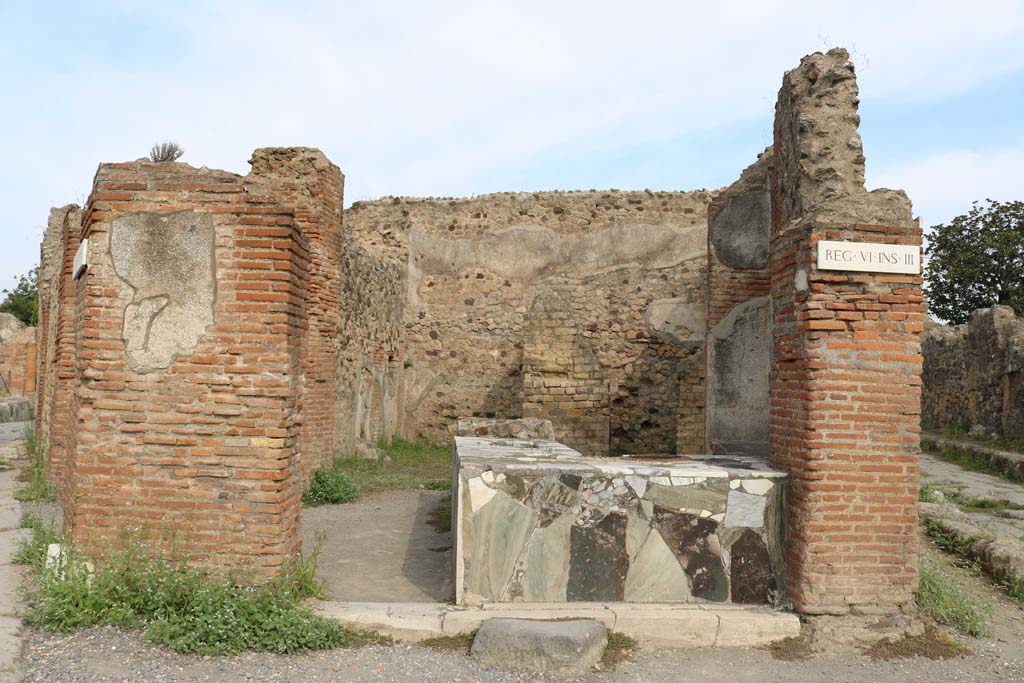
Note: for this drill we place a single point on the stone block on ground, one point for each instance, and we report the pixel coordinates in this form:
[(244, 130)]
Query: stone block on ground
[(566, 647)]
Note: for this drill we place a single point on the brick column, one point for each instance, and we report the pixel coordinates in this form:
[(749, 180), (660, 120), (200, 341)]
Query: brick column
[(307, 182), (846, 371), (60, 433)]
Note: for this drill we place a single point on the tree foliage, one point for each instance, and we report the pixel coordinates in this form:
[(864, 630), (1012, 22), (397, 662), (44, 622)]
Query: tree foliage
[(21, 301), (976, 260)]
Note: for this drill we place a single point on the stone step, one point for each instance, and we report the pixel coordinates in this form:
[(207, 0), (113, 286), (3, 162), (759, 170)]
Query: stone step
[(664, 625)]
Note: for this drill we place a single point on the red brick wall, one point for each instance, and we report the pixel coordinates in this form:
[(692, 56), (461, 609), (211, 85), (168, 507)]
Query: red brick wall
[(205, 450), (60, 435), (305, 181), (18, 363), (728, 287), (845, 411)]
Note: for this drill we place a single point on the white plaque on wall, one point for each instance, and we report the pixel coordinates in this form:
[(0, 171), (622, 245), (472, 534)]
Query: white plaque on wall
[(869, 257), (81, 259)]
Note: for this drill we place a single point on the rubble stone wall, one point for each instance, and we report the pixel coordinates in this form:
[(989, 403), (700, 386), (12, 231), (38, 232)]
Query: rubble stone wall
[(472, 271), (370, 355), (974, 373)]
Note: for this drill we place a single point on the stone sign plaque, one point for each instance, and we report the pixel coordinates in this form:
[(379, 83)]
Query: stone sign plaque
[(869, 257)]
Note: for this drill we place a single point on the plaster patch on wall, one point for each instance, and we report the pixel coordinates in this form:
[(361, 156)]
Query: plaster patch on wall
[(527, 252), (168, 261)]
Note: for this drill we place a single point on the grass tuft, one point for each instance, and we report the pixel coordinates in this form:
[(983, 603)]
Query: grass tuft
[(620, 648), (944, 597), (409, 465), (188, 609), (330, 486), (36, 487)]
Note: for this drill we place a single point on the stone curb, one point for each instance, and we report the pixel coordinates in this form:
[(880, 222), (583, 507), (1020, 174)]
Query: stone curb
[(1001, 556), (665, 625), (1008, 462)]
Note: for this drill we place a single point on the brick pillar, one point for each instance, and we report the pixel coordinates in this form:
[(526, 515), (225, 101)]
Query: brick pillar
[(60, 434), (189, 334), (306, 181), (846, 371)]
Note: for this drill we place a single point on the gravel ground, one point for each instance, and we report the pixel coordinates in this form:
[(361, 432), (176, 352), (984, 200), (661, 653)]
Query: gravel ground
[(108, 655)]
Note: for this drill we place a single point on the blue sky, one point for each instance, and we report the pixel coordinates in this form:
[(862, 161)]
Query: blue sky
[(458, 98)]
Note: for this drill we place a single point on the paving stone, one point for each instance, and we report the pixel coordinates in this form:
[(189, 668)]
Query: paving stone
[(565, 647)]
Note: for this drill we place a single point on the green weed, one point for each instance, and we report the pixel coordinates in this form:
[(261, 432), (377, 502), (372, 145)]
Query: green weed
[(330, 486), (409, 465), (944, 597), (36, 487), (188, 609)]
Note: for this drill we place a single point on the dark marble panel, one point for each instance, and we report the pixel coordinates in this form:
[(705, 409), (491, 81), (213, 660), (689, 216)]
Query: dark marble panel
[(598, 562), (696, 545), (751, 574), (571, 480)]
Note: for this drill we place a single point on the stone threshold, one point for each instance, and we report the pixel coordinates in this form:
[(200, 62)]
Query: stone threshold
[(664, 625)]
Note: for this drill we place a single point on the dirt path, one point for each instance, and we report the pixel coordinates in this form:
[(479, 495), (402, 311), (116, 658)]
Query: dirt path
[(382, 549)]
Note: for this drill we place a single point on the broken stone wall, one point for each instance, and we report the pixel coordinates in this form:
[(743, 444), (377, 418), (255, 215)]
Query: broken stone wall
[(846, 368), (473, 268), (369, 351), (974, 373), (739, 313)]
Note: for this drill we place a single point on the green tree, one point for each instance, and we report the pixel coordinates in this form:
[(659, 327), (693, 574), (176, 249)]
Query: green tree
[(975, 261), (21, 301)]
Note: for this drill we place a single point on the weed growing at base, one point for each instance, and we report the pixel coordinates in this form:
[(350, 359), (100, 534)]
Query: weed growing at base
[(330, 486), (190, 610), (36, 485), (944, 597)]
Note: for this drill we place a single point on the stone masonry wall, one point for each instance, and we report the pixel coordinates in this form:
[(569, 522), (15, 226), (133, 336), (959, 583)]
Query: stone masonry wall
[(370, 353), (183, 354), (974, 373), (473, 268), (739, 345), (562, 380), (846, 371)]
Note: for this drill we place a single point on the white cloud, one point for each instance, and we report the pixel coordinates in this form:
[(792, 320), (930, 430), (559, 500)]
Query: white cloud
[(943, 184), (428, 98)]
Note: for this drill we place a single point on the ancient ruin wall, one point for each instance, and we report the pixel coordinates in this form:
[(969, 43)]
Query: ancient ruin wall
[(48, 299), (183, 354), (305, 181), (739, 313), (974, 373), (370, 357), (17, 358), (473, 268), (563, 382), (846, 371)]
